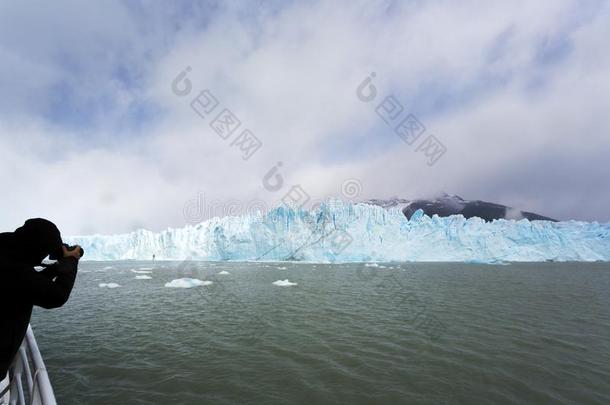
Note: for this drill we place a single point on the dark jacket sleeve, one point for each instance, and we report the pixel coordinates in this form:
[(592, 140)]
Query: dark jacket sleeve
[(40, 289)]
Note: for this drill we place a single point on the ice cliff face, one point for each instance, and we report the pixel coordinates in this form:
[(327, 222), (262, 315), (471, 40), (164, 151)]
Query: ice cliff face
[(345, 232)]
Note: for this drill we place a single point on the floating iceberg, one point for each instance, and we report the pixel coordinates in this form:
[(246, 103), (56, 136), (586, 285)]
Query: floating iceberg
[(143, 277), (346, 232), (186, 283), (109, 285), (224, 273), (284, 283)]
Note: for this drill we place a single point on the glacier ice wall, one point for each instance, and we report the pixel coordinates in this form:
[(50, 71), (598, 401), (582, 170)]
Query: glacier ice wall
[(346, 232)]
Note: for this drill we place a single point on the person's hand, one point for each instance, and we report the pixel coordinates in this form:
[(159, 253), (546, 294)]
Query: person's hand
[(72, 253)]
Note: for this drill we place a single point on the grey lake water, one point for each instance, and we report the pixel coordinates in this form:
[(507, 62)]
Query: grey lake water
[(434, 333)]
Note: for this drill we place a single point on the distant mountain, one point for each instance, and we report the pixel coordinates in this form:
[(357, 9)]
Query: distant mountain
[(447, 205)]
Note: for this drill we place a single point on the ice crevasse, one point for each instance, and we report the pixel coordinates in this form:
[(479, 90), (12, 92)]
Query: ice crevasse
[(340, 231)]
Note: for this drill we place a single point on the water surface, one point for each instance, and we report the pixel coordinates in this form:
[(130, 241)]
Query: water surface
[(396, 333)]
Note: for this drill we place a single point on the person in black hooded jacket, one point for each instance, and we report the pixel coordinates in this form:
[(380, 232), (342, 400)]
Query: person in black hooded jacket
[(22, 286)]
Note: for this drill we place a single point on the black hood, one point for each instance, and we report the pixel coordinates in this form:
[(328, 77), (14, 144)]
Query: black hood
[(32, 242)]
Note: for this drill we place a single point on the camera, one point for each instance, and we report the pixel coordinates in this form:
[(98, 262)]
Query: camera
[(58, 254)]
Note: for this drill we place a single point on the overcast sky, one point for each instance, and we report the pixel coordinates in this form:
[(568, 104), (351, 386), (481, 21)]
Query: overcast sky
[(94, 137)]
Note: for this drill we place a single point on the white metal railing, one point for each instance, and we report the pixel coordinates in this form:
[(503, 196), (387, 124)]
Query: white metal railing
[(28, 365)]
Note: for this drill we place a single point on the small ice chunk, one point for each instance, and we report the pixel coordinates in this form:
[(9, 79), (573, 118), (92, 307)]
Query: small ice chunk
[(108, 268), (146, 268), (282, 268), (187, 283), (143, 277), (109, 285), (224, 273), (141, 271), (283, 283), (371, 265)]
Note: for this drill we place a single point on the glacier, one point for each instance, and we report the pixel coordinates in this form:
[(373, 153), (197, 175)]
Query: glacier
[(338, 231)]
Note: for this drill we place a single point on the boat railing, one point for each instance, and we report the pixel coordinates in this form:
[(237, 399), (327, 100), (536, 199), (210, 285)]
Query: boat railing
[(28, 367)]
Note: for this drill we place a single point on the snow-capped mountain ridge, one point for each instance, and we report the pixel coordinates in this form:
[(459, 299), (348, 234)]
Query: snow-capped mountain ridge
[(451, 204)]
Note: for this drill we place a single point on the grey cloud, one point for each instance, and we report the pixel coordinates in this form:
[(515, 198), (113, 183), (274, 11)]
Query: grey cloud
[(518, 131)]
